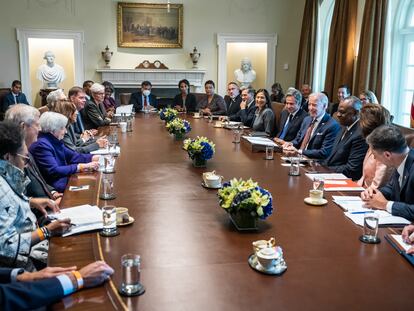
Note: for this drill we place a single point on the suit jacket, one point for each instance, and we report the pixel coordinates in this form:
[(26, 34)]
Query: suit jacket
[(264, 122), (190, 102), (78, 125), (232, 106), (403, 196), (322, 141), (304, 104), (217, 104), (246, 116), (136, 100), (27, 295), (348, 154), (293, 126), (37, 187), (8, 100), (77, 144), (94, 115), (56, 162)]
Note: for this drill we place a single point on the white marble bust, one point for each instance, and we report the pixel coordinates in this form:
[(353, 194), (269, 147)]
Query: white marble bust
[(51, 74), (245, 75)]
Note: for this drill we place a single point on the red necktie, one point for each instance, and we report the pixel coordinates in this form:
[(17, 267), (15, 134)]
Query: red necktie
[(145, 101), (308, 134)]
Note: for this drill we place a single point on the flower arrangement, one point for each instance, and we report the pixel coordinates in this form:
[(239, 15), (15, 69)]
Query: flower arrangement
[(178, 127), (168, 114), (245, 195), (199, 147)]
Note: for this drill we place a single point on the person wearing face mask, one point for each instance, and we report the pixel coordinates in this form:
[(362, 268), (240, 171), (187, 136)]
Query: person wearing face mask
[(143, 99), (185, 101), (57, 162), (232, 99)]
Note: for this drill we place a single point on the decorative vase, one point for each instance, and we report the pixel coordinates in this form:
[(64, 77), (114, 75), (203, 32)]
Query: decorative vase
[(179, 136), (199, 162), (107, 55), (243, 221), (195, 56)]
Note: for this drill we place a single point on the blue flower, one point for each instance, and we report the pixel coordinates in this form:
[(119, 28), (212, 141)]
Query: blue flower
[(207, 151)]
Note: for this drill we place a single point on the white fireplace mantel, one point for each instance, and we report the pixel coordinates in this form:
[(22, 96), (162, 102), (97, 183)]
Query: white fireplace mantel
[(159, 78)]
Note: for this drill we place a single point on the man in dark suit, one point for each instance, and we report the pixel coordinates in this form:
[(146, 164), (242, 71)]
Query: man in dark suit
[(389, 146), (343, 92), (15, 96), (247, 111), (232, 99), (20, 290), (317, 134), (144, 100), (291, 117), (77, 96), (306, 90), (350, 147)]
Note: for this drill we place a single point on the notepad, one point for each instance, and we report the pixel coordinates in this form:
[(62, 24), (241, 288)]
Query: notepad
[(84, 217), (342, 185), (124, 109), (398, 238), (329, 176), (103, 151), (384, 218), (262, 141)]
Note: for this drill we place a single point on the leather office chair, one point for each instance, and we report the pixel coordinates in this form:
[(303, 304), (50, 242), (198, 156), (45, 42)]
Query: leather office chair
[(3, 92), (277, 110), (43, 109), (124, 98)]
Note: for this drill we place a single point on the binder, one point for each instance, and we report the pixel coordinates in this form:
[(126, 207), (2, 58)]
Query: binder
[(399, 249)]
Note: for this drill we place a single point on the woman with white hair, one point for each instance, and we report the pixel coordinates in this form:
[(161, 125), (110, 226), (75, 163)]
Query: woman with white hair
[(56, 162), (54, 97), (94, 114)]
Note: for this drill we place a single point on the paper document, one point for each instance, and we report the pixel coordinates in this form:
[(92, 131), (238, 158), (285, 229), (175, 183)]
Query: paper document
[(262, 141), (384, 218), (84, 218), (342, 185), (116, 150), (330, 176), (399, 240), (288, 159), (124, 109), (346, 198)]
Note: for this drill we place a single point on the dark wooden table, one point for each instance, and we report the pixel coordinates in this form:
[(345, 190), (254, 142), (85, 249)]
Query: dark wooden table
[(193, 258)]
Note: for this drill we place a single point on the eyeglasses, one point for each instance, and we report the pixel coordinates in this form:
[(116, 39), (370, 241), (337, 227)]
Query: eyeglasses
[(25, 158)]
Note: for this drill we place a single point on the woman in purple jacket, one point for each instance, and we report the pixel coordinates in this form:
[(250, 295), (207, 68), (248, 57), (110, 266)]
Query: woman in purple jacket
[(55, 161)]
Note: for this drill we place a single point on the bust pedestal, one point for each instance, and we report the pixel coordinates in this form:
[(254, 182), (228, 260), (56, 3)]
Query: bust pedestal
[(43, 94)]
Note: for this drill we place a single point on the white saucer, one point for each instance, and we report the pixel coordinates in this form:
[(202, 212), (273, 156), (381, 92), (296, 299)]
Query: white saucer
[(130, 221), (205, 186), (194, 117), (310, 202)]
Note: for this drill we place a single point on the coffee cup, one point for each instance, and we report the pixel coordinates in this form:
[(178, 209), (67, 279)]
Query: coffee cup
[(261, 244), (122, 215), (196, 114), (268, 257), (315, 195), (123, 126), (212, 180), (218, 124)]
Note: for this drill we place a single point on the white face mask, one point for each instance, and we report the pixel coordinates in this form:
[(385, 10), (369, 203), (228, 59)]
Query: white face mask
[(146, 92)]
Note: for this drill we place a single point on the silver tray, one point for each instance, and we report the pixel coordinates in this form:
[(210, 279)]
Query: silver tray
[(278, 269)]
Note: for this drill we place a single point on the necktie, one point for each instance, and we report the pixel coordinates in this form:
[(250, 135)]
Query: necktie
[(345, 131), (286, 127), (308, 134), (80, 123), (145, 101), (15, 99)]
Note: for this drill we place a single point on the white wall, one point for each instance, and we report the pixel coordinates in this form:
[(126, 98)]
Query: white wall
[(202, 21)]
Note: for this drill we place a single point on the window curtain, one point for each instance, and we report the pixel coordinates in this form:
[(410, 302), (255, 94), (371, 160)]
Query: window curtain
[(371, 48), (306, 57), (341, 52)]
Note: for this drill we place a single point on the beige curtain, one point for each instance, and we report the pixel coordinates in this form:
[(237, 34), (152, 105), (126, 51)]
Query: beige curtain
[(305, 65), (340, 64), (371, 47)]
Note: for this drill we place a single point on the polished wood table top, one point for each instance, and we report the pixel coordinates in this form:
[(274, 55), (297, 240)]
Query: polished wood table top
[(192, 257)]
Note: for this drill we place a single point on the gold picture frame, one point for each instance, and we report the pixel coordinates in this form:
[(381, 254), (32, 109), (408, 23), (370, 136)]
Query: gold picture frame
[(150, 25)]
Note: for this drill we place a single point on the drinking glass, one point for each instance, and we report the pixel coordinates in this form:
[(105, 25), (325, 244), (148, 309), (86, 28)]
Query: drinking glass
[(236, 136), (370, 229), (294, 166), (107, 185), (109, 221), (109, 163), (131, 275), (269, 153)]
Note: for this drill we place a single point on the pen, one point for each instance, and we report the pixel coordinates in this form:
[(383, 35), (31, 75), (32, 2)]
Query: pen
[(362, 212)]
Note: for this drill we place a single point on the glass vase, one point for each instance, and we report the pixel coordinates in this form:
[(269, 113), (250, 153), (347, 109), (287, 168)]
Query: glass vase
[(179, 136), (243, 221), (199, 162)]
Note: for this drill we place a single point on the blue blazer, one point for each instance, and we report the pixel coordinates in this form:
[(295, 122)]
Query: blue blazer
[(8, 100), (246, 116), (322, 141), (136, 100), (403, 197), (27, 295), (348, 154), (56, 162)]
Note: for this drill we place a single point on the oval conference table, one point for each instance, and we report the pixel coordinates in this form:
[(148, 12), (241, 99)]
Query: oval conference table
[(192, 258)]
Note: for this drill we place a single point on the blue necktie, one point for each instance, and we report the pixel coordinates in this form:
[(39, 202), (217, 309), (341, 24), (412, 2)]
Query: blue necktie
[(80, 123), (286, 127)]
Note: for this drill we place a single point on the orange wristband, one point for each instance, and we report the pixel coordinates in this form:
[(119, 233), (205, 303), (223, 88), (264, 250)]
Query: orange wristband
[(40, 234), (79, 279)]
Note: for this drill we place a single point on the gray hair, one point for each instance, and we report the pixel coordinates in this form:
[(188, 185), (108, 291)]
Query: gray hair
[(22, 113), (387, 138), (296, 94), (354, 101), (52, 121), (249, 89), (96, 88), (320, 98), (54, 97)]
